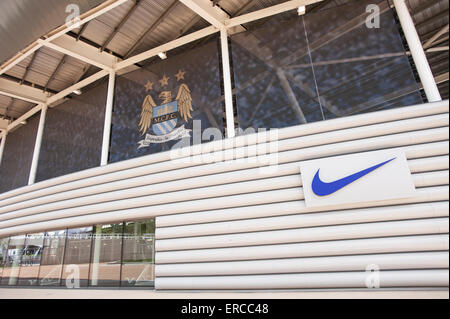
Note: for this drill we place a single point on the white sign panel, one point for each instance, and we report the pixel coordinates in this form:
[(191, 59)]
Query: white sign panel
[(364, 177)]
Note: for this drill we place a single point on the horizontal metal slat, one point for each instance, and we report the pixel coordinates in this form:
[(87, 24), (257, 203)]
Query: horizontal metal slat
[(314, 249), (431, 179), (421, 260), (354, 216), (429, 164), (191, 195), (158, 188), (233, 202), (423, 195), (321, 233), (387, 279)]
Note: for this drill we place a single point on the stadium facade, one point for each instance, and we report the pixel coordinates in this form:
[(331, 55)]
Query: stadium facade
[(272, 145)]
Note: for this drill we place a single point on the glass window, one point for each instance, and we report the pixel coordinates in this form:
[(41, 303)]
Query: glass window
[(31, 259), (52, 258), (106, 255), (292, 69), (13, 257), (268, 94), (3, 254), (17, 155), (77, 257), (138, 254), (73, 133), (109, 255), (358, 66), (168, 103)]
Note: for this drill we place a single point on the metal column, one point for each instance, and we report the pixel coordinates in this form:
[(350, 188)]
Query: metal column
[(37, 145), (2, 145), (227, 83), (417, 52), (108, 117)]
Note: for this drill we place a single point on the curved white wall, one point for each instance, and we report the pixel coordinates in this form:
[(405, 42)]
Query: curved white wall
[(228, 225)]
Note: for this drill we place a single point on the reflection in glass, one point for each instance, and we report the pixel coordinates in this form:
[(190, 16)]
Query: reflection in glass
[(31, 259), (73, 133), (106, 255), (359, 69), (52, 258), (3, 254), (13, 258), (268, 93), (109, 255), (291, 69), (77, 257), (17, 155), (138, 254)]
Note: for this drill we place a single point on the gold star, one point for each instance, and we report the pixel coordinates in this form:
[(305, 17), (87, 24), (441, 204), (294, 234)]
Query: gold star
[(149, 86), (164, 81), (180, 75)]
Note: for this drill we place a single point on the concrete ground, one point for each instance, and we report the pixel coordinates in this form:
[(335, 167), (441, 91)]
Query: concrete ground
[(25, 293)]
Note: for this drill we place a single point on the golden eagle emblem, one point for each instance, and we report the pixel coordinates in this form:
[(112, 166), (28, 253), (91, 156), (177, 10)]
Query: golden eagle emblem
[(163, 118)]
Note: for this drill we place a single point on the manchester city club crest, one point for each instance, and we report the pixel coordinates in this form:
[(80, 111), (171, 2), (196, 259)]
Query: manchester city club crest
[(159, 122)]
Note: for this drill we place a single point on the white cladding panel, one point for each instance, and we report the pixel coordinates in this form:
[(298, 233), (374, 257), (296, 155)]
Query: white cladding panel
[(233, 225)]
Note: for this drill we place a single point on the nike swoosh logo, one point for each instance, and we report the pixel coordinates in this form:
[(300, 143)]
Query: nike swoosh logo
[(321, 188)]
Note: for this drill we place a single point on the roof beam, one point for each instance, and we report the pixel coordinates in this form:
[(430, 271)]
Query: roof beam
[(26, 116), (166, 47), (8, 106), (28, 68), (151, 28), (3, 124), (246, 6), (56, 70), (438, 34), (68, 45), (441, 78), (422, 7), (220, 19), (120, 25), (57, 97), (436, 49), (77, 86), (22, 92), (207, 11), (81, 51), (431, 20), (267, 12), (82, 29), (88, 16)]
